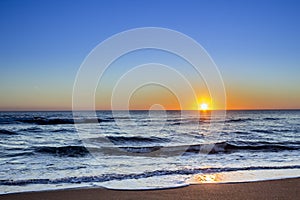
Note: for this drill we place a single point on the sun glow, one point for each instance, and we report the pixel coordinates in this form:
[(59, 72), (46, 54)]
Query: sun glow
[(203, 107)]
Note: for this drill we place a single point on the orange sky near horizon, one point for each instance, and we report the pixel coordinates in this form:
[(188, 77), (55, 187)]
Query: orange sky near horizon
[(237, 98)]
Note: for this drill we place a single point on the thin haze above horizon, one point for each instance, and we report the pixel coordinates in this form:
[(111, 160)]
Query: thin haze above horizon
[(255, 44)]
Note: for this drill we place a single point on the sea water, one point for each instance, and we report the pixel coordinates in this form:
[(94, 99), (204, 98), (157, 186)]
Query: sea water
[(145, 150)]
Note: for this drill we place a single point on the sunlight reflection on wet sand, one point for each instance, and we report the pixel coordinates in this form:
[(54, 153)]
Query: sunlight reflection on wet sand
[(243, 176), (205, 178)]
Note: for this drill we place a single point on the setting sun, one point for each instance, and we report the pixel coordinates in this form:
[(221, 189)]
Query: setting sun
[(203, 106)]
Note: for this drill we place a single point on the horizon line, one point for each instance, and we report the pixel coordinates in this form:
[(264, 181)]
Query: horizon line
[(70, 110)]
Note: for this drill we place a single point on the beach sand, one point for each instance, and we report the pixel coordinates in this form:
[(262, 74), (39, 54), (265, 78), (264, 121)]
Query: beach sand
[(274, 189)]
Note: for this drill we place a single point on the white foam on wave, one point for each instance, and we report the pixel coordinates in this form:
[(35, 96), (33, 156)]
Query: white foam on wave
[(150, 183)]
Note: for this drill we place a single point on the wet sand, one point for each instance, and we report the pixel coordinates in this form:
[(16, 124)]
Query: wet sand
[(274, 189)]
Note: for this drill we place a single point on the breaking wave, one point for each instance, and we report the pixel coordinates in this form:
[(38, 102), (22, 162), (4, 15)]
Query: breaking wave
[(147, 174)]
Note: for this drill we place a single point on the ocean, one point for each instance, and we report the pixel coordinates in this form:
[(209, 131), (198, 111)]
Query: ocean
[(145, 150)]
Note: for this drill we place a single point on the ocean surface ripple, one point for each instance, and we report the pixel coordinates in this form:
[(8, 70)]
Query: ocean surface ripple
[(160, 150)]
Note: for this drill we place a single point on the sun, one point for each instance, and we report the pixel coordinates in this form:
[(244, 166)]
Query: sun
[(203, 107)]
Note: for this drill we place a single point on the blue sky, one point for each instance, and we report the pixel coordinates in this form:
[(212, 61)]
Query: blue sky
[(255, 44)]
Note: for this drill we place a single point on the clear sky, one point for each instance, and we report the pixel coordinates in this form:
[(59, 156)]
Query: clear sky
[(255, 44)]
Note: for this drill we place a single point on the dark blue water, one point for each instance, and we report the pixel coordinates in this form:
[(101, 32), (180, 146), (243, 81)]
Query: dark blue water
[(157, 149)]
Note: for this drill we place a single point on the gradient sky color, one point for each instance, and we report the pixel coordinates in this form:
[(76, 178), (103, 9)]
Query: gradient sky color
[(255, 44)]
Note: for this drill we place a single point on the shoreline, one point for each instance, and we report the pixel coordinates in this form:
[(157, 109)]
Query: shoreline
[(267, 189)]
